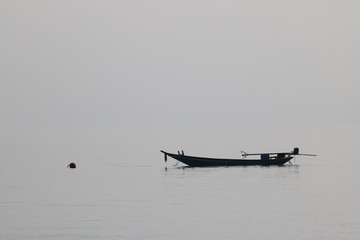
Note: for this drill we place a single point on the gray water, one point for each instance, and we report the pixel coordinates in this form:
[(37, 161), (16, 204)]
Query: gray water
[(122, 189)]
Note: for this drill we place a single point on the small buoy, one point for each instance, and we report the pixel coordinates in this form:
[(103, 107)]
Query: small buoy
[(72, 165)]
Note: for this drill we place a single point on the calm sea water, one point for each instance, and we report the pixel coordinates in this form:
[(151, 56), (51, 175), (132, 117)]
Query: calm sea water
[(122, 189)]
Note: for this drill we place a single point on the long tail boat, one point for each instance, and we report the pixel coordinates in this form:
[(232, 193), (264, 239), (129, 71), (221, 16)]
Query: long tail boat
[(266, 159)]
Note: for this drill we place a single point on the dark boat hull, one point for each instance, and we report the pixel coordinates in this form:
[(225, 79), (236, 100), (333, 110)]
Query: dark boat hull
[(213, 162)]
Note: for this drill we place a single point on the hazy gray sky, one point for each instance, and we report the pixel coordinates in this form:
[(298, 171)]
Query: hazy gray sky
[(117, 62)]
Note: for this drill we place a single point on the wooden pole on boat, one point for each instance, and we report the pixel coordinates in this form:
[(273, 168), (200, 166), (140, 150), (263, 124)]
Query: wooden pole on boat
[(165, 155)]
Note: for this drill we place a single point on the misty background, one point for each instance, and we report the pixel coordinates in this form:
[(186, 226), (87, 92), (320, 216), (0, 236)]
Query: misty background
[(179, 62), (108, 84)]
